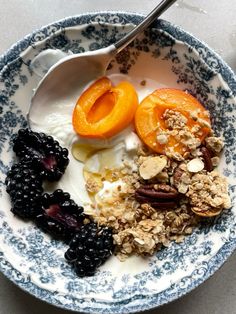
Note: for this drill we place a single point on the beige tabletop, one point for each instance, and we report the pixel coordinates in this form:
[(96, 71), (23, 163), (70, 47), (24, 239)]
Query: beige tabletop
[(213, 22)]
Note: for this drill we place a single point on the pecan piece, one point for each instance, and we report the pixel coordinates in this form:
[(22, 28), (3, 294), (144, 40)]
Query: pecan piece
[(160, 196), (206, 154), (155, 203), (177, 176), (162, 191)]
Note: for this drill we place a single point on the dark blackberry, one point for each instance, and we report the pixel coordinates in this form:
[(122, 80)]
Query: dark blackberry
[(24, 185), (90, 248), (61, 217), (43, 151)]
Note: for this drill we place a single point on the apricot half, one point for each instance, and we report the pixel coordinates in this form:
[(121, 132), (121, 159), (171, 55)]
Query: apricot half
[(149, 118), (103, 110)]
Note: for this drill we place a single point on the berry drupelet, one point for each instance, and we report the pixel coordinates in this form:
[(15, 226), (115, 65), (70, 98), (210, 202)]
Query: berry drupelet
[(60, 216), (43, 151), (90, 248), (24, 185)]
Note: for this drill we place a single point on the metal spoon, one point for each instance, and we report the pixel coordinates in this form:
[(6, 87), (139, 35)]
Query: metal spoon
[(64, 82)]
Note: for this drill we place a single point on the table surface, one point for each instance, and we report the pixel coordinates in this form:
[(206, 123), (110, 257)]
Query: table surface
[(211, 21)]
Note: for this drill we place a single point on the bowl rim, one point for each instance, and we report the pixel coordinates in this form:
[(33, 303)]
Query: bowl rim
[(222, 255)]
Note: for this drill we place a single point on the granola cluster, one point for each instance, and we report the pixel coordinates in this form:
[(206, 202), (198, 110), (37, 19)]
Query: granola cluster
[(176, 127), (208, 194)]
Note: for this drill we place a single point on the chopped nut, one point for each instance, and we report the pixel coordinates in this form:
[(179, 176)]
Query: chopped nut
[(206, 155), (178, 172), (181, 179), (195, 165), (152, 166), (182, 188)]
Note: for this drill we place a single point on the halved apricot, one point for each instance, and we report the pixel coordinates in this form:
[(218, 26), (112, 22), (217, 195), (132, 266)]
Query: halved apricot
[(103, 111), (149, 118)]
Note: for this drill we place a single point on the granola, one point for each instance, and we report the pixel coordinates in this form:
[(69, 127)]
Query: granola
[(163, 197)]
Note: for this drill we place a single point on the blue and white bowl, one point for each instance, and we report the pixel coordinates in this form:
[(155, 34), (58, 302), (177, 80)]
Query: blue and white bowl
[(172, 57)]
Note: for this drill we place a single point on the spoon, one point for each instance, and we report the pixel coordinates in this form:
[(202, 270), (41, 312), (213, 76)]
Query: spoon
[(66, 79)]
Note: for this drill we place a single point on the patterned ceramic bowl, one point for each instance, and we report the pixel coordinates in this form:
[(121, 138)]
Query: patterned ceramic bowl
[(172, 57)]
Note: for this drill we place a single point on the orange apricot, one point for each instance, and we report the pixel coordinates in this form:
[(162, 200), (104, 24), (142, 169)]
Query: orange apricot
[(103, 110), (150, 121)]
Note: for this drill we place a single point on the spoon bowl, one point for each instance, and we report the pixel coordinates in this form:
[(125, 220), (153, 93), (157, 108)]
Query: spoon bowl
[(67, 78), (65, 81)]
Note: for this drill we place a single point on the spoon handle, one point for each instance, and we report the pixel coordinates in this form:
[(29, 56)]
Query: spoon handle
[(159, 9)]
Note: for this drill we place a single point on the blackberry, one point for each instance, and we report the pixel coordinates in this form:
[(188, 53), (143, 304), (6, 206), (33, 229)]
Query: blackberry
[(24, 185), (90, 248), (43, 151), (60, 216)]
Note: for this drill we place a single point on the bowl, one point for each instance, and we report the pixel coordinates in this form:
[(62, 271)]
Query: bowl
[(172, 57)]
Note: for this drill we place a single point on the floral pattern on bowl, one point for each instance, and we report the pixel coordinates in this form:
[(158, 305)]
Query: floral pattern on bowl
[(35, 262)]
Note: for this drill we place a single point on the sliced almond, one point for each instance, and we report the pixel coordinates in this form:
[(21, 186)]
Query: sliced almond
[(183, 188), (195, 165), (152, 166)]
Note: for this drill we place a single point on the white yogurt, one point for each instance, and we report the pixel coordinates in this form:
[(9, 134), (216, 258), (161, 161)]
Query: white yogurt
[(107, 192)]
